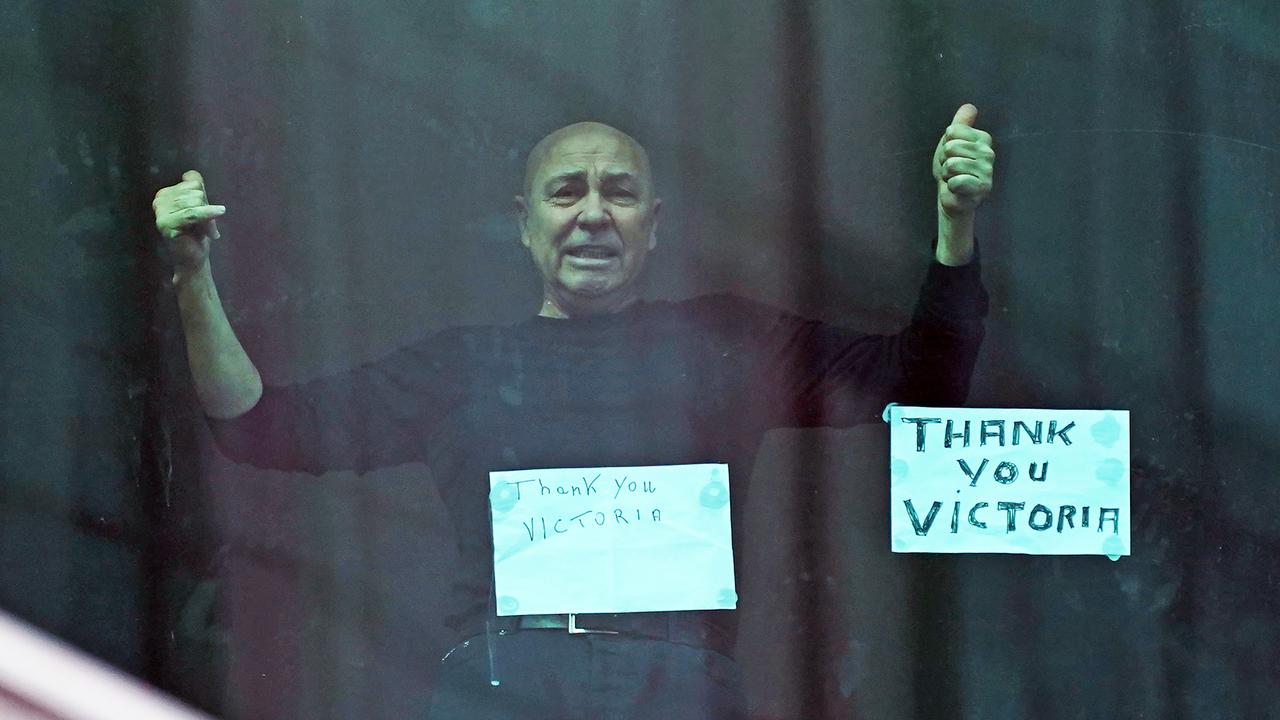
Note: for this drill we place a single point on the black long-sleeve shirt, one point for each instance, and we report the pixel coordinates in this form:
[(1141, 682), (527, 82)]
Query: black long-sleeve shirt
[(659, 383)]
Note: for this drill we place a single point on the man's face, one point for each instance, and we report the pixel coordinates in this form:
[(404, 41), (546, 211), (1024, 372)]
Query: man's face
[(588, 219)]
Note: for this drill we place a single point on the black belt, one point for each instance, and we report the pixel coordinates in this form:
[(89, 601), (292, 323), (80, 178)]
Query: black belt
[(686, 628)]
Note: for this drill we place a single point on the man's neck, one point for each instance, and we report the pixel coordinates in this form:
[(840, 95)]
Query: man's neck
[(558, 309)]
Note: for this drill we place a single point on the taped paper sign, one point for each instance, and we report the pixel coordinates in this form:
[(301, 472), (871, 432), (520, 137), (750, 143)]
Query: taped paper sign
[(1041, 482), (615, 539)]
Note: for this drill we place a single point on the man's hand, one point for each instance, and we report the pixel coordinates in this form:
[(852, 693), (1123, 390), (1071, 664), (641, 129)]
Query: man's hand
[(187, 221), (226, 381), (963, 164)]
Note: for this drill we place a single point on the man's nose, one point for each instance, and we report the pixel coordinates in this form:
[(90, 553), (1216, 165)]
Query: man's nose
[(594, 214)]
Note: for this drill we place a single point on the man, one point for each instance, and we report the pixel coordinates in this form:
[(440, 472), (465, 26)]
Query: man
[(598, 378)]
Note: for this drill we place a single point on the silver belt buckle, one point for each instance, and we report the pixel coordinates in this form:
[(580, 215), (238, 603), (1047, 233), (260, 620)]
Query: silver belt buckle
[(575, 630)]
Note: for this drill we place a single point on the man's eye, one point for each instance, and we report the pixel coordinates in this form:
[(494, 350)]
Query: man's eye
[(564, 194)]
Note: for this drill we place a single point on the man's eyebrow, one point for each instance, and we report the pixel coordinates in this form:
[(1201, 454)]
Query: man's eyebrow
[(578, 175), (565, 176), (618, 175)]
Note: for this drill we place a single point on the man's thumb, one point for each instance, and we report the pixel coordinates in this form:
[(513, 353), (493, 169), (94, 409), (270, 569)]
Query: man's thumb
[(192, 175), (966, 115)]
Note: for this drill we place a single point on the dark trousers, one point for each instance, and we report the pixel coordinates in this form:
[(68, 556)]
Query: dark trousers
[(550, 674)]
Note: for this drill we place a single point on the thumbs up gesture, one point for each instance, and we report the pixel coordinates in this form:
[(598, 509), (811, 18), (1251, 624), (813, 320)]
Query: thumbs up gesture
[(963, 164)]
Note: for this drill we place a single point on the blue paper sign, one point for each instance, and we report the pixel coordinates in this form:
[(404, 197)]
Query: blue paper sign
[(612, 539), (1043, 482)]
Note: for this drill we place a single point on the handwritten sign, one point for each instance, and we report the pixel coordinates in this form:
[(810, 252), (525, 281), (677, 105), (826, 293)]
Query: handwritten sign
[(1041, 482), (614, 539)]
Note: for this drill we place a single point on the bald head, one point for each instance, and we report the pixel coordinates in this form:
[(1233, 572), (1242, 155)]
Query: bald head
[(578, 133)]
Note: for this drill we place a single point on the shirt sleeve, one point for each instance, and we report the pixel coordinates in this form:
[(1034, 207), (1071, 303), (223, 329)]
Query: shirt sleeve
[(378, 414), (833, 376)]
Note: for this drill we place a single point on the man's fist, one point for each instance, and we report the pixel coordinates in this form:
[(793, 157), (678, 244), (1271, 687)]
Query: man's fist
[(187, 221), (963, 164)]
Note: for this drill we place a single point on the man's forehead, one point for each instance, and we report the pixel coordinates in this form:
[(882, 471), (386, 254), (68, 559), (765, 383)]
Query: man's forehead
[(594, 143), (587, 146), (585, 164)]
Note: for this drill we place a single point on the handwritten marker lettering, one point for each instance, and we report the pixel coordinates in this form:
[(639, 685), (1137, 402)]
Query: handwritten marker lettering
[(541, 527), (613, 539), (584, 487), (990, 429), (624, 485), (979, 480)]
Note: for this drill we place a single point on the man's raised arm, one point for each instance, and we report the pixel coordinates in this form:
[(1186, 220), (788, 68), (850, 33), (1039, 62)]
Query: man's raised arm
[(226, 380), (963, 165)]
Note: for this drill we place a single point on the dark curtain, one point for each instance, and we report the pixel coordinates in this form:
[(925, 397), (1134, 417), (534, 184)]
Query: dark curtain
[(368, 154)]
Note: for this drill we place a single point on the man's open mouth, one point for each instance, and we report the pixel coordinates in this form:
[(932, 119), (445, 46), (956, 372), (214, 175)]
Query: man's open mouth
[(593, 252)]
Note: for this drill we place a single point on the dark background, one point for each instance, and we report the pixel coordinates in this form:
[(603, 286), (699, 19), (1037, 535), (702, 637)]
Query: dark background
[(368, 153)]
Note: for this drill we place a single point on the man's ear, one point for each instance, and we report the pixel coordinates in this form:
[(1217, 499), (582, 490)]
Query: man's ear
[(522, 219), (653, 224)]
